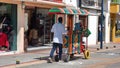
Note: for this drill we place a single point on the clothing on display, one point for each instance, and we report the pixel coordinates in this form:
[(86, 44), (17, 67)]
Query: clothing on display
[(4, 40)]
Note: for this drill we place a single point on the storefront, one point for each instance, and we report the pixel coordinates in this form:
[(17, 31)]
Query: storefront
[(38, 23), (37, 26), (115, 23), (8, 27), (20, 13), (31, 22)]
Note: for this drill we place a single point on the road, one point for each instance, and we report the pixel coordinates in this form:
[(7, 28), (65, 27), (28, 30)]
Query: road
[(101, 59)]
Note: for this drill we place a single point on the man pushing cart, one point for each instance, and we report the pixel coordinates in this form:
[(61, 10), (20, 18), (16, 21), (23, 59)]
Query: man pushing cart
[(73, 41)]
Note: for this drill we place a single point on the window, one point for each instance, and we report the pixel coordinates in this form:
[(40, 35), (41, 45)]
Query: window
[(8, 27), (117, 31), (90, 3)]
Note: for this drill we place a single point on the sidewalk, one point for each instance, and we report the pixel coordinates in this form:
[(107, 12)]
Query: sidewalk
[(36, 55)]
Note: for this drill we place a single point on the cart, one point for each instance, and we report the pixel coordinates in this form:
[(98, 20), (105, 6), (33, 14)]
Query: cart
[(78, 46), (73, 42)]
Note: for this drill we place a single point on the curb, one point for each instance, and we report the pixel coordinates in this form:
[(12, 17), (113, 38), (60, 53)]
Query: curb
[(101, 50), (24, 64)]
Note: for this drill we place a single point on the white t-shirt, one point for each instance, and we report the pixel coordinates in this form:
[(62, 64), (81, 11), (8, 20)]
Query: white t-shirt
[(58, 29)]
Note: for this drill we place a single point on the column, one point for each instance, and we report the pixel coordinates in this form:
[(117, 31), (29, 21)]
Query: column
[(20, 28), (107, 21)]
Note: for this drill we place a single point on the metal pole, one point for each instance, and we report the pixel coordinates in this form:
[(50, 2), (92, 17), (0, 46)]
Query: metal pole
[(101, 36)]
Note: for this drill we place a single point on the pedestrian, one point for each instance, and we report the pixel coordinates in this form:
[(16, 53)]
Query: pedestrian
[(58, 31)]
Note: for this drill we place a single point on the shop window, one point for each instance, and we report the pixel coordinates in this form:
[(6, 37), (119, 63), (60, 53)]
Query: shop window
[(8, 27), (91, 3), (117, 32), (39, 29)]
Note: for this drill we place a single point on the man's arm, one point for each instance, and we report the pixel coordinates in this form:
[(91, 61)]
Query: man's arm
[(53, 27)]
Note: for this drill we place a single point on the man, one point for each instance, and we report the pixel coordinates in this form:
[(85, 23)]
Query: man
[(58, 30)]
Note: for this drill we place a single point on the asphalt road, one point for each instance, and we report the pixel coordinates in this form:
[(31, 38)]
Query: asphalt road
[(102, 59)]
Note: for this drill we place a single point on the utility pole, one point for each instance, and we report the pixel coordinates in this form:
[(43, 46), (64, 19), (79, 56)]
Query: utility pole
[(101, 32)]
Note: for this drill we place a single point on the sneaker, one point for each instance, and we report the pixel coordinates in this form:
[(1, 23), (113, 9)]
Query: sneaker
[(49, 60), (60, 61)]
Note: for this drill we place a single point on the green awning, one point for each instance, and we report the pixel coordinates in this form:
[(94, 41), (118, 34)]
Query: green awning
[(68, 11), (56, 11), (75, 11), (82, 12)]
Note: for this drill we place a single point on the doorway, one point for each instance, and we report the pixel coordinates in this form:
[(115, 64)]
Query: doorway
[(37, 27)]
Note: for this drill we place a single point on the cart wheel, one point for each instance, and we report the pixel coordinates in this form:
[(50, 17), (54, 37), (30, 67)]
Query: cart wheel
[(67, 58), (56, 58), (86, 54), (72, 55)]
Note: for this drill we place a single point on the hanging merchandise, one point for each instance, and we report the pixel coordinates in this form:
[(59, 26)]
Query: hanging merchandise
[(87, 32), (4, 43)]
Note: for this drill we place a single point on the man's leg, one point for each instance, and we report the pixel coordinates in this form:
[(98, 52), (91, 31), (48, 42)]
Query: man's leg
[(52, 50), (60, 51)]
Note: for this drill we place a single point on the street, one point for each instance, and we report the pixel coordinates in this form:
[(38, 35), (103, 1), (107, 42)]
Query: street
[(101, 59)]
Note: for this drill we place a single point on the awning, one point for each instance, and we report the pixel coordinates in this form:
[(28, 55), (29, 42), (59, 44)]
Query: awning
[(68, 11), (56, 11), (76, 11), (84, 12), (60, 11)]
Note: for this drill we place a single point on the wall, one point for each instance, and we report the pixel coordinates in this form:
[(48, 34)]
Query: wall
[(93, 27), (114, 8), (107, 28), (20, 29), (71, 2), (107, 20)]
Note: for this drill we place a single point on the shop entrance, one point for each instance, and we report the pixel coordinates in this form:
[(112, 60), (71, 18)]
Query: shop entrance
[(115, 28), (39, 27)]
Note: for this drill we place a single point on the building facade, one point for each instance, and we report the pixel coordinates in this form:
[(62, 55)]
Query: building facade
[(94, 8), (114, 18), (31, 15), (24, 17)]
